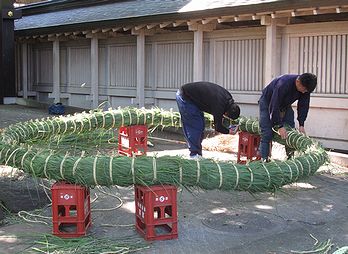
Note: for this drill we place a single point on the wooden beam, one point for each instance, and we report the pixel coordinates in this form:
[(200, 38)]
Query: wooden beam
[(25, 70), (281, 22), (255, 17), (314, 11), (276, 15), (205, 28), (207, 21), (178, 23), (73, 37), (271, 50), (247, 17), (141, 68), (144, 31), (99, 35), (115, 29), (223, 19), (94, 72), (327, 10), (104, 30), (126, 28), (52, 37), (150, 26), (56, 72), (139, 27), (191, 22), (236, 18), (165, 24), (263, 13), (198, 55), (266, 20), (60, 38)]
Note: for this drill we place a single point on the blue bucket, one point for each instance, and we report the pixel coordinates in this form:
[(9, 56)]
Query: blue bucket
[(56, 109)]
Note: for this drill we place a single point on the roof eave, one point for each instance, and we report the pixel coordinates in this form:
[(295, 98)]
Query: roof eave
[(207, 13)]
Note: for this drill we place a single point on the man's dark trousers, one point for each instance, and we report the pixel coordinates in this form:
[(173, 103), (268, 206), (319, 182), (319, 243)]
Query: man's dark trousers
[(193, 123), (267, 126)]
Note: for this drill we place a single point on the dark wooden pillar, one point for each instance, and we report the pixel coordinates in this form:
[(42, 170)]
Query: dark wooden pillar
[(1, 76), (7, 49)]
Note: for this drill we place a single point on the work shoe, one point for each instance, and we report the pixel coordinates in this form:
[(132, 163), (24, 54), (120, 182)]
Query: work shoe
[(265, 160), (150, 144), (196, 157)]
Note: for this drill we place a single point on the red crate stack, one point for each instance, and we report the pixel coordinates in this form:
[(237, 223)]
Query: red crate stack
[(71, 209), (156, 212), (132, 140), (248, 147)]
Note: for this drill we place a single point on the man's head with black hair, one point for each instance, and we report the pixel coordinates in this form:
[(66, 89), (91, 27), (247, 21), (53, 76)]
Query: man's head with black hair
[(306, 82), (233, 111)]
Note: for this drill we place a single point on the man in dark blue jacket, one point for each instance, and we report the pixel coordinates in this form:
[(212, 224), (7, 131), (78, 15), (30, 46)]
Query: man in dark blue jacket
[(195, 98), (275, 106)]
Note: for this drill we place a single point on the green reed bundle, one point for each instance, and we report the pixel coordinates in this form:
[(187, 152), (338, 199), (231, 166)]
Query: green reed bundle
[(17, 150)]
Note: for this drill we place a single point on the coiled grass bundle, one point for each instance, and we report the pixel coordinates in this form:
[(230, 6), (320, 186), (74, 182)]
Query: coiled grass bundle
[(18, 148)]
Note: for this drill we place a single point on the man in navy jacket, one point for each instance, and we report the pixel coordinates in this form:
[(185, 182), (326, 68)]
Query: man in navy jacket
[(275, 106), (195, 98)]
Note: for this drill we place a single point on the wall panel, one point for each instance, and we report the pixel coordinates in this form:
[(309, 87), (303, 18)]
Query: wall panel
[(149, 66), (325, 56), (174, 64), (240, 64), (123, 65), (102, 66), (63, 65), (206, 60), (44, 66), (80, 66)]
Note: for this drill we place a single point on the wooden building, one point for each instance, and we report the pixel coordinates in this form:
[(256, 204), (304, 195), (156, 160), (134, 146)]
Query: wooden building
[(138, 52), (7, 58)]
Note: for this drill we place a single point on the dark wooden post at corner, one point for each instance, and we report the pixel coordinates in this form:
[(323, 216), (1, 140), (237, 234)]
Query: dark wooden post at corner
[(7, 49)]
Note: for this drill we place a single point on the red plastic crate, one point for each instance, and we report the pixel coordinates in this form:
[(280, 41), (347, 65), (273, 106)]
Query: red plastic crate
[(156, 212), (132, 140), (71, 210), (248, 147)]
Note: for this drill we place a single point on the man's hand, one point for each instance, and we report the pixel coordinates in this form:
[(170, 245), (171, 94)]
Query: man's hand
[(283, 133), (302, 130), (233, 129)]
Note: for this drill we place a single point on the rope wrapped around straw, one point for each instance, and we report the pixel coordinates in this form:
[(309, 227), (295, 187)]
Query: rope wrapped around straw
[(124, 171)]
